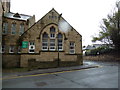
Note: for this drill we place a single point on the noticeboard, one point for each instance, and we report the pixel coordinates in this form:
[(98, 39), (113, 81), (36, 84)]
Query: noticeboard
[(25, 44)]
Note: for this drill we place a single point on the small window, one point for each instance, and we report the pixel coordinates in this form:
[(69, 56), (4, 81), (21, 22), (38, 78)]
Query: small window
[(11, 49), (5, 28), (52, 35), (52, 30), (72, 48), (31, 47), (3, 49), (21, 29), (32, 43), (19, 49), (13, 28)]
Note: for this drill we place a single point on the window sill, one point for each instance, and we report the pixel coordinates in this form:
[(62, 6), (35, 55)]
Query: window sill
[(51, 51)]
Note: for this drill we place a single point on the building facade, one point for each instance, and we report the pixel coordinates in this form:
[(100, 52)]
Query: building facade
[(41, 44)]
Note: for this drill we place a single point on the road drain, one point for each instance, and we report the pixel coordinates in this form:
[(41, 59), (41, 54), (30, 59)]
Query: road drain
[(40, 83)]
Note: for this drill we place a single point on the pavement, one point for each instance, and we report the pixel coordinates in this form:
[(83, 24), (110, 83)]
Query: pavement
[(49, 71)]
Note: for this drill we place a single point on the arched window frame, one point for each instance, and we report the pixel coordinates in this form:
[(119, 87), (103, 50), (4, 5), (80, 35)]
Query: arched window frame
[(52, 32), (13, 28), (60, 41), (22, 29), (5, 28), (44, 41)]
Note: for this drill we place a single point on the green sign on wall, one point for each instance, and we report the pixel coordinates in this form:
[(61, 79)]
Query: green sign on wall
[(24, 44)]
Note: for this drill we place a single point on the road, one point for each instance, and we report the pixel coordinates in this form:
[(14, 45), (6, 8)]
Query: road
[(105, 76)]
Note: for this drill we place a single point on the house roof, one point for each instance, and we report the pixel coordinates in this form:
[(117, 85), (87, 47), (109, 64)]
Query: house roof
[(17, 16)]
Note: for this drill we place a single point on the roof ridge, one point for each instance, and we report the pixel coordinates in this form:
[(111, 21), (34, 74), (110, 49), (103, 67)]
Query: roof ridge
[(19, 13)]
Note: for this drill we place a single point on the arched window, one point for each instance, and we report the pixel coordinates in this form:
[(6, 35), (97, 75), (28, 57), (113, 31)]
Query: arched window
[(60, 35), (13, 28), (45, 35), (45, 41), (5, 27), (21, 29), (60, 42), (52, 29), (52, 32)]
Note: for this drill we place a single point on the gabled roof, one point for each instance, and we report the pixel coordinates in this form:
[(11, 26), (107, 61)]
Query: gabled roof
[(57, 15), (17, 16), (53, 10)]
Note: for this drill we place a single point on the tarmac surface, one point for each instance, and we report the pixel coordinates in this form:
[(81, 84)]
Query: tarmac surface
[(90, 75)]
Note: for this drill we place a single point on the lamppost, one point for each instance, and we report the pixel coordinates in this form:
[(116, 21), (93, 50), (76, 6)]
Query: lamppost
[(118, 17), (118, 25), (58, 38), (63, 26)]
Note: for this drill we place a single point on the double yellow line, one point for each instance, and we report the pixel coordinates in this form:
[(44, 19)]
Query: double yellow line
[(15, 77)]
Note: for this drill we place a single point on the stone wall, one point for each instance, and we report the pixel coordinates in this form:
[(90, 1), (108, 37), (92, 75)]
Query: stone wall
[(50, 59), (10, 60)]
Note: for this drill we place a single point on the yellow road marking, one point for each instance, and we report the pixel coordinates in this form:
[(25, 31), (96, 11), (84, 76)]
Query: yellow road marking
[(15, 77)]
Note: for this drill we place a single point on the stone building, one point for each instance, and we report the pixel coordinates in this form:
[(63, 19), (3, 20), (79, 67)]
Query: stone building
[(13, 26), (40, 44)]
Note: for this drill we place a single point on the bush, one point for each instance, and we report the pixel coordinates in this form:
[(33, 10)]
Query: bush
[(91, 52), (98, 51)]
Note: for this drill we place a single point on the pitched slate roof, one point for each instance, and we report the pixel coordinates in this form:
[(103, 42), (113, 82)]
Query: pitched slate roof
[(17, 16)]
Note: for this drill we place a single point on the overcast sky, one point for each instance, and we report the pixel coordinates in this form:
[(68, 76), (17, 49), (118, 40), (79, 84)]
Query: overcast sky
[(84, 15)]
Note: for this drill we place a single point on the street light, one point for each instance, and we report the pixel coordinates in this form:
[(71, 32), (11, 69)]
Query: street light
[(58, 37), (63, 26), (118, 17)]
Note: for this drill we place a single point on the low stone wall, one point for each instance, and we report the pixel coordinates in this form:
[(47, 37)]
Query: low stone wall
[(36, 61), (45, 58), (9, 61), (102, 57), (33, 64)]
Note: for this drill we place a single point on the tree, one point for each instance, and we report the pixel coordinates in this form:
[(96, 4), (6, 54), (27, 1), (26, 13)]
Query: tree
[(110, 29)]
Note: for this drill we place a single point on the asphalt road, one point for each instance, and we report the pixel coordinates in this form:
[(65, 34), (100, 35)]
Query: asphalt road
[(102, 77)]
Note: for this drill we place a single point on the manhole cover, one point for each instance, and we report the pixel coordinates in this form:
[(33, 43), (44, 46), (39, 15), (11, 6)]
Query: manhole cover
[(40, 83)]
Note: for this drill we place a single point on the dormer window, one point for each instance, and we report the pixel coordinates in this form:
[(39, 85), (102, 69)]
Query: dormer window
[(17, 15)]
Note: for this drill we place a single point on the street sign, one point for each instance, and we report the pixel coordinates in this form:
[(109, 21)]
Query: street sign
[(24, 44)]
